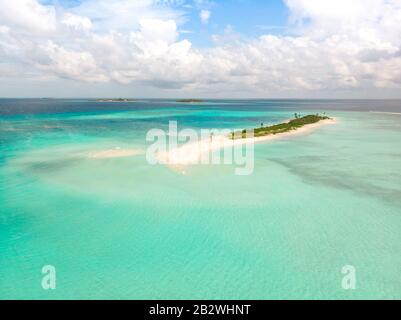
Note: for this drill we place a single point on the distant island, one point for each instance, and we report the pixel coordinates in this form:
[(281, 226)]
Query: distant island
[(189, 101), (294, 124), (116, 100)]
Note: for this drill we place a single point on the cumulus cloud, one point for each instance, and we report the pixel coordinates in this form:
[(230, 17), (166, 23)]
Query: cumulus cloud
[(336, 45), (28, 16)]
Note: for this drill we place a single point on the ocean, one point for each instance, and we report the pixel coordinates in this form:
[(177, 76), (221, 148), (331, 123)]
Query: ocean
[(121, 228)]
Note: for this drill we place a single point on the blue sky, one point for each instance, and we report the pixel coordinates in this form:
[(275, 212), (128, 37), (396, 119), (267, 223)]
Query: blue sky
[(248, 18), (201, 48)]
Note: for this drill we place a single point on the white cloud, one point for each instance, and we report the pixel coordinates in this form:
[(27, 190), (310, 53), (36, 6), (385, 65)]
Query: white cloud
[(337, 46), (76, 22), (79, 65), (28, 16), (205, 16), (124, 15)]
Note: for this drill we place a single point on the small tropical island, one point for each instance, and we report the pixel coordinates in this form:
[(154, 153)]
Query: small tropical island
[(291, 125), (192, 152), (189, 101), (116, 100)]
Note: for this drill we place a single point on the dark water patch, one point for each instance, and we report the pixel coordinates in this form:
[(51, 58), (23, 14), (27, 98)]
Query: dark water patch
[(45, 166), (394, 155), (323, 171)]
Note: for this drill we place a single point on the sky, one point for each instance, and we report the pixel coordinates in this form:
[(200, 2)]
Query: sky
[(200, 48)]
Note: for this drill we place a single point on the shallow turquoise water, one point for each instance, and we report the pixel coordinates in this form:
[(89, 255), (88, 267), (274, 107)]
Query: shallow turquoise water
[(122, 229)]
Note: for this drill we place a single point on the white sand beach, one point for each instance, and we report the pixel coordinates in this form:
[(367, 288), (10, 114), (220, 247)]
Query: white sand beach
[(115, 153), (193, 153)]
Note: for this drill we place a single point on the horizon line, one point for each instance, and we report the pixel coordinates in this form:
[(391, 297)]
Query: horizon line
[(204, 99)]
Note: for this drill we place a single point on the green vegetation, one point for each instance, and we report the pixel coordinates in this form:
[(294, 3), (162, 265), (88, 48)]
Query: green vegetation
[(294, 124), (189, 101)]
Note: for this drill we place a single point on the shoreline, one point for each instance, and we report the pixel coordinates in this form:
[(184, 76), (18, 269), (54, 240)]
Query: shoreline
[(193, 153), (297, 132)]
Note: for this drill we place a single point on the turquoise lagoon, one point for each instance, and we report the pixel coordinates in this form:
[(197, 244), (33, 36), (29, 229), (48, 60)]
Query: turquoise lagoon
[(119, 228)]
